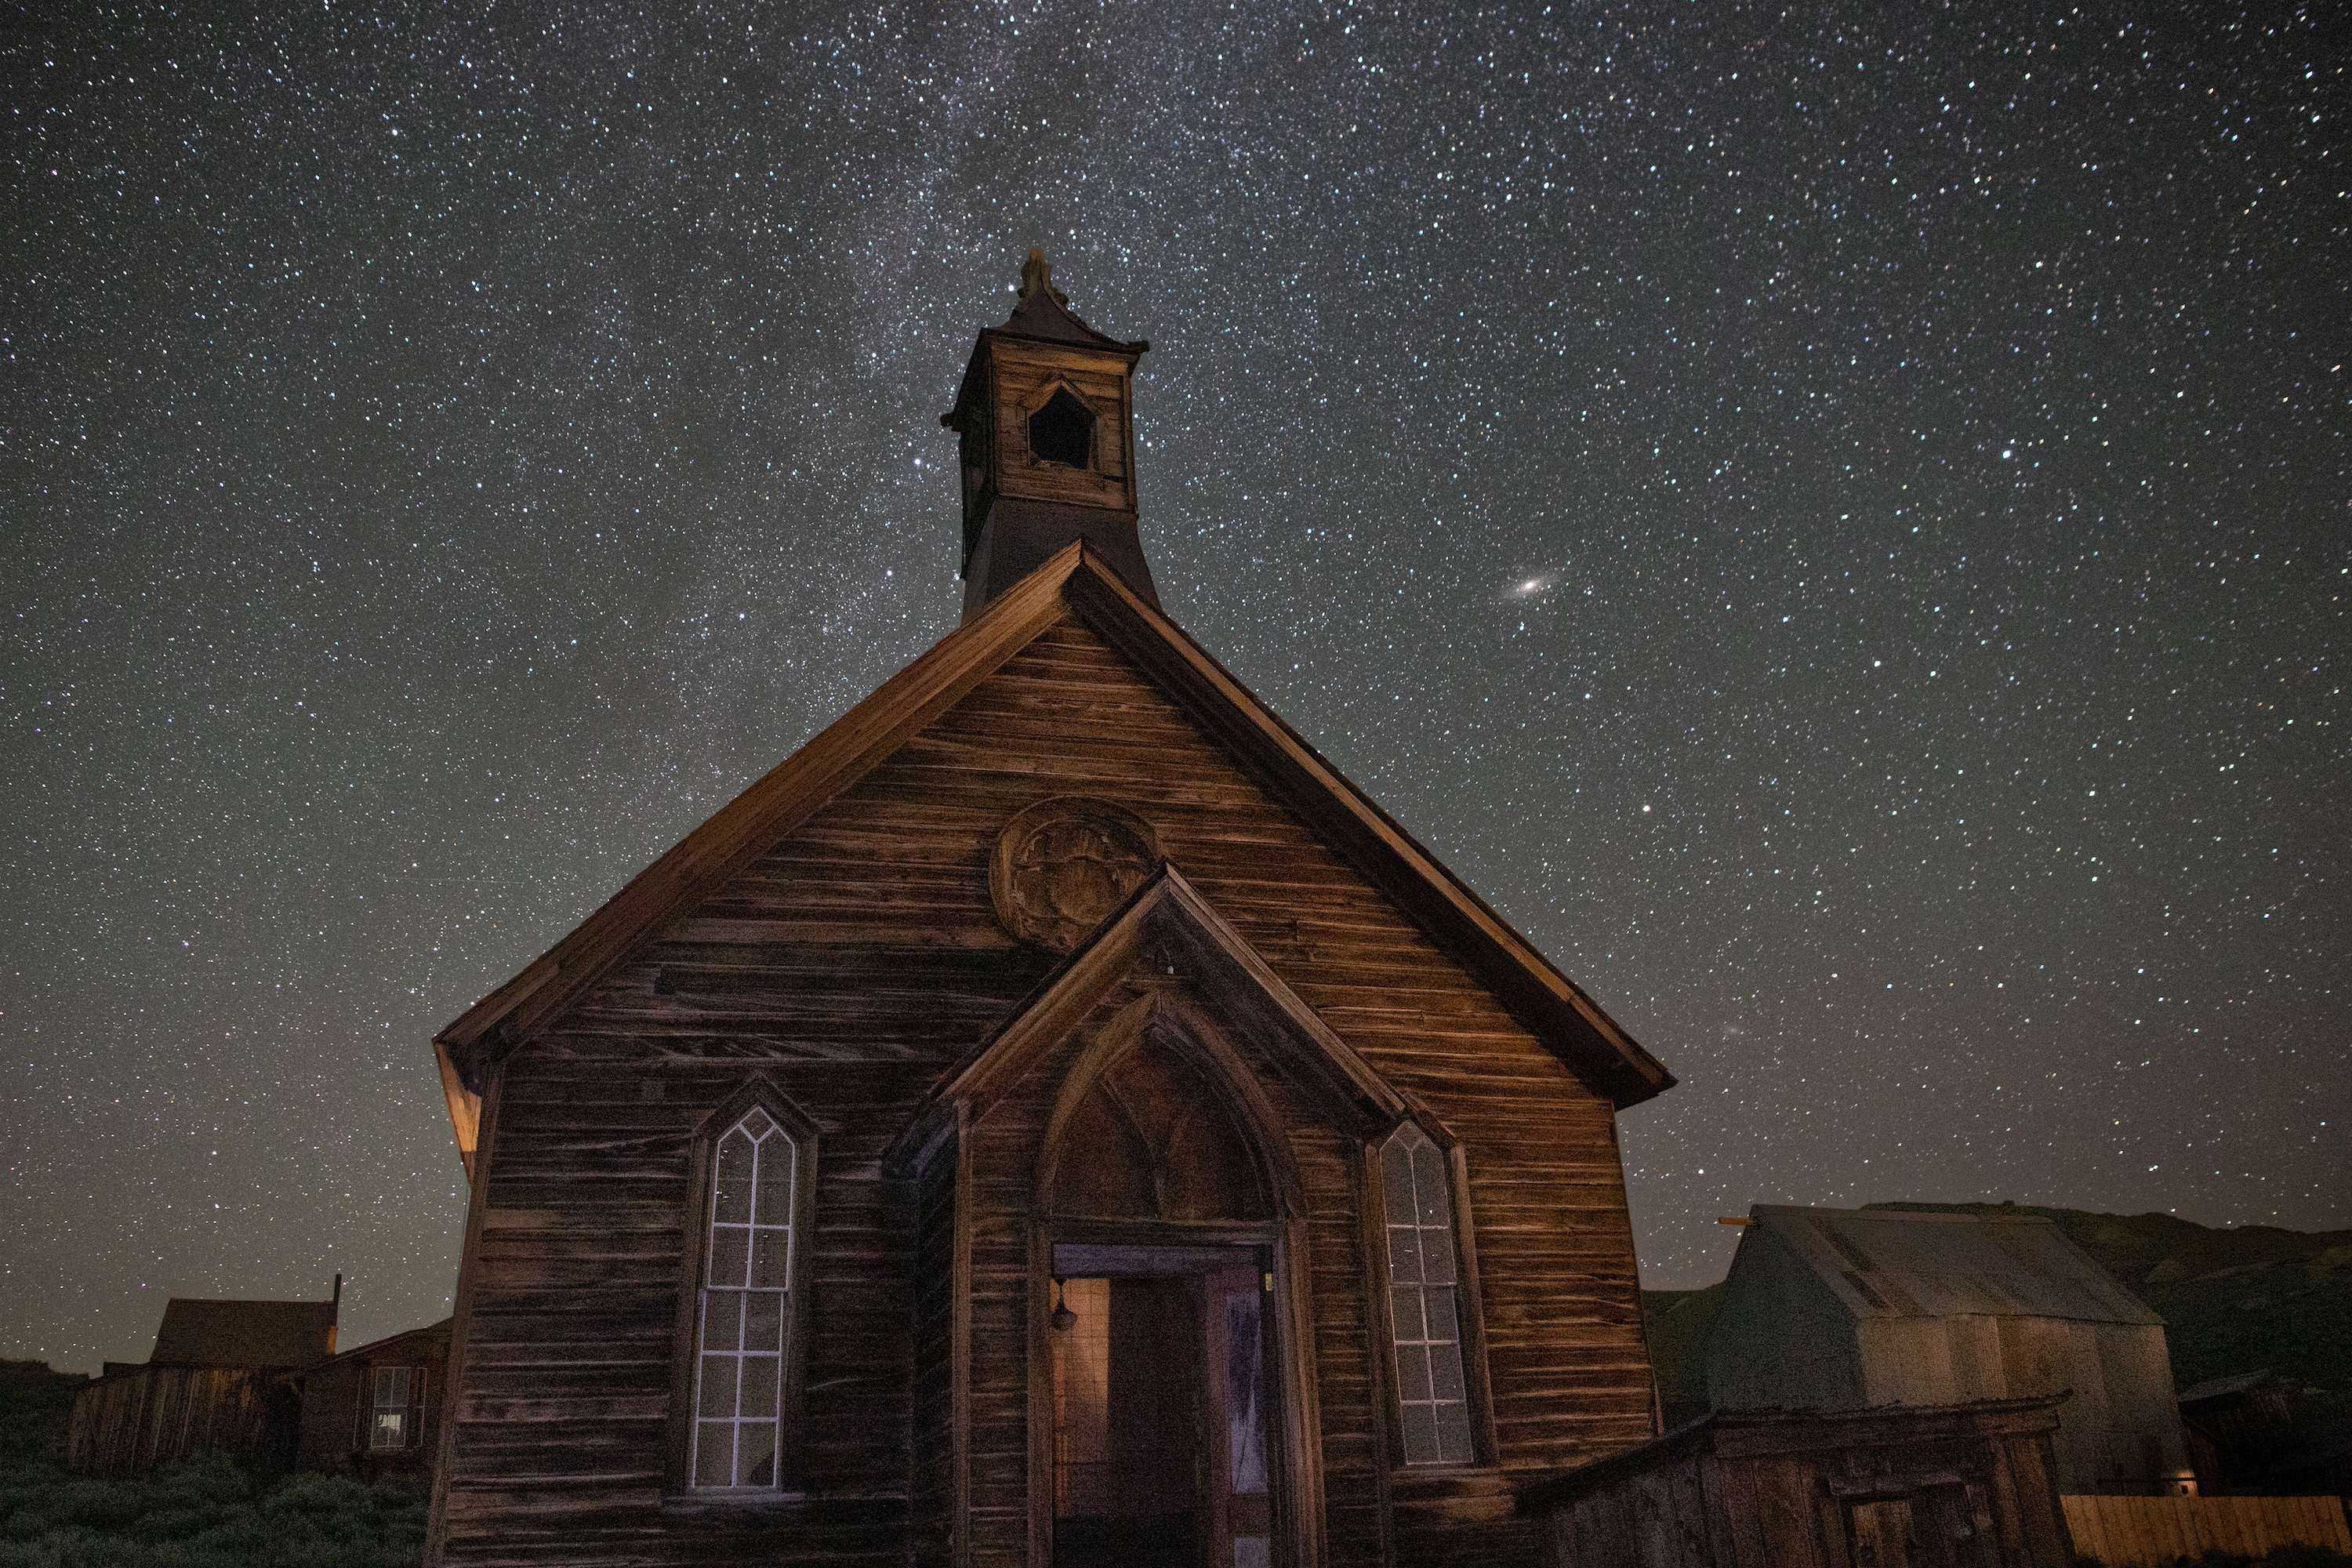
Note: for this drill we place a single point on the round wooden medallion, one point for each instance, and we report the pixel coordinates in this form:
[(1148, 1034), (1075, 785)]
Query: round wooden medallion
[(1063, 865)]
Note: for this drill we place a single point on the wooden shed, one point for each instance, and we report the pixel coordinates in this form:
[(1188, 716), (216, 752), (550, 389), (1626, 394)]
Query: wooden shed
[(1849, 1309), (1954, 1486), (2262, 1435), (377, 1409), (219, 1378), (1051, 1118)]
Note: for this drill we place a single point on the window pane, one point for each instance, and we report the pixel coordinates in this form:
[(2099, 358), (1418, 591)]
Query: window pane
[(1442, 1326), (1404, 1255), (1432, 1395), (1429, 1186), (1396, 1181), (761, 1390), (772, 1252), (722, 1319), (1454, 1433), (1437, 1255), (764, 1321), (391, 1388), (755, 1454), (1420, 1436), (718, 1385), (1412, 1373), (1245, 1393), (1405, 1303), (714, 1454), (1445, 1373), (757, 1124), (730, 1199), (776, 1181), (730, 1256)]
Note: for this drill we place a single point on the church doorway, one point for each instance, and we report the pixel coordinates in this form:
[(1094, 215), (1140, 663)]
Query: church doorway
[(1160, 1417)]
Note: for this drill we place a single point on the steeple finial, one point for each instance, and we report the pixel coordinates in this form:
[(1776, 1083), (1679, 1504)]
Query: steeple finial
[(1038, 273)]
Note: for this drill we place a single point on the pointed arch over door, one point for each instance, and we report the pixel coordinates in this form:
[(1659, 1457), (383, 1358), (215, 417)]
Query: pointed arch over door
[(1171, 1393), (1157, 1121)]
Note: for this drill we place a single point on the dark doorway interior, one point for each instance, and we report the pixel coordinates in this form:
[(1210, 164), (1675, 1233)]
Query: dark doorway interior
[(1160, 1411)]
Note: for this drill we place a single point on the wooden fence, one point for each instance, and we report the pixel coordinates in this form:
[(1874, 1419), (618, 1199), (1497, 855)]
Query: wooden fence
[(149, 1416), (2158, 1532)]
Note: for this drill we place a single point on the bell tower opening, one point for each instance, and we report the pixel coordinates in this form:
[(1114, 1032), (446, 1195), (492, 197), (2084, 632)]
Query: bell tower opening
[(1063, 431)]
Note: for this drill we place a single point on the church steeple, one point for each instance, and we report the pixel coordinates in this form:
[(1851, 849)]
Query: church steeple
[(1048, 431)]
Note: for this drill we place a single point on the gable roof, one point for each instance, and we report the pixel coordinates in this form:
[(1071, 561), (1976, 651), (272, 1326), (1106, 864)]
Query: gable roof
[(244, 1334), (1886, 1263), (431, 1342), (1167, 915), (1075, 583)]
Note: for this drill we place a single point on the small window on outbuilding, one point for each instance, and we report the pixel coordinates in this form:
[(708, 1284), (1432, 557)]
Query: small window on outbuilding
[(394, 1426), (1063, 431)]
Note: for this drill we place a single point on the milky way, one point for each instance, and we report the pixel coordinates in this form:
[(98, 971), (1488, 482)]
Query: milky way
[(1833, 521)]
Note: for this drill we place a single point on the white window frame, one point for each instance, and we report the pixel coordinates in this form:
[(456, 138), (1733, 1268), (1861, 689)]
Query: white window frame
[(410, 1409), (1425, 1258), (744, 1288)]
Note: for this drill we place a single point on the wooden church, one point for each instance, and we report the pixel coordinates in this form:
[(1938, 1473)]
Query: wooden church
[(1051, 1118)]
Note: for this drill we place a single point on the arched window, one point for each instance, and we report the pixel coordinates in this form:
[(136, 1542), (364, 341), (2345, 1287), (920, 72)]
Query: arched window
[(1424, 1300), (746, 1326)]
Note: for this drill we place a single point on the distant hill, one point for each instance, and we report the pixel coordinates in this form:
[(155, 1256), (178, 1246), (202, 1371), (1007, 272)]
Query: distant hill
[(2245, 1299)]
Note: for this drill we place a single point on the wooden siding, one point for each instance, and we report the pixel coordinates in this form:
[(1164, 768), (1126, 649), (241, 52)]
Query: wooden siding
[(937, 1324), (1972, 1486), (149, 1415), (852, 963), (2158, 1532)]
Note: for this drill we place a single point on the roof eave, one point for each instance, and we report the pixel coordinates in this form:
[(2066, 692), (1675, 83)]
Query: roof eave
[(784, 796), (1554, 1006)]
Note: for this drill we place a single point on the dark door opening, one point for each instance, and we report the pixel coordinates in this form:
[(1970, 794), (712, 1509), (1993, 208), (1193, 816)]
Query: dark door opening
[(1160, 1410)]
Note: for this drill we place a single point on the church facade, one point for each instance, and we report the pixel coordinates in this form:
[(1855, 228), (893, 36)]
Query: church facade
[(1050, 1119)]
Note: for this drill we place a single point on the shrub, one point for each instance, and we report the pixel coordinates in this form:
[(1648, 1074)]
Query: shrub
[(205, 1512)]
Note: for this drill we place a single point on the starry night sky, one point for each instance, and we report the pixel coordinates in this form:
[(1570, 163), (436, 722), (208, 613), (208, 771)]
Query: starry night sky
[(1835, 521)]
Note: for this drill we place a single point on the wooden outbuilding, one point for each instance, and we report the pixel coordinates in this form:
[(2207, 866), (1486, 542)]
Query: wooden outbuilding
[(2262, 1435), (1954, 1486), (377, 1409), (219, 1379), (1849, 1309), (1052, 1118)]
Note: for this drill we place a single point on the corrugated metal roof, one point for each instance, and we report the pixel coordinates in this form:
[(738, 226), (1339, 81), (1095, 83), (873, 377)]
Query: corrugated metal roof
[(1893, 1264), (244, 1334), (2220, 1387)]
